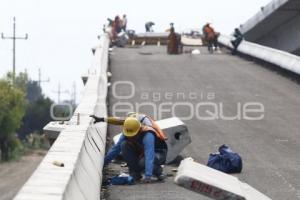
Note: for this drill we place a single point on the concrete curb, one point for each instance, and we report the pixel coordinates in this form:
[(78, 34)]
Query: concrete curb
[(280, 58), (80, 148), (214, 184)]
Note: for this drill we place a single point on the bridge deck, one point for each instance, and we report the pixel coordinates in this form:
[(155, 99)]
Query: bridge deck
[(269, 147)]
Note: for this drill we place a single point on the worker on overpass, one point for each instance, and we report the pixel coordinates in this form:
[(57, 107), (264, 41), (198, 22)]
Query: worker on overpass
[(124, 23), (211, 37), (238, 38), (174, 41), (142, 145), (117, 24), (148, 26)]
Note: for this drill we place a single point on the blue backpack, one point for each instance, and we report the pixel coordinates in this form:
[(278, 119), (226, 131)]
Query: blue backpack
[(226, 160)]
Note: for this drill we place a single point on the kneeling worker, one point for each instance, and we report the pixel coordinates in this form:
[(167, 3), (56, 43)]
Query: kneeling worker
[(142, 145)]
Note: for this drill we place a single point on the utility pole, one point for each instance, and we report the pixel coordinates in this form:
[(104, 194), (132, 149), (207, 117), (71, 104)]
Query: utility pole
[(59, 92), (14, 38), (74, 93), (40, 78)]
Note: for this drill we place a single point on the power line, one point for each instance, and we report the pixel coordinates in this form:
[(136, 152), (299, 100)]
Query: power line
[(40, 78), (14, 38), (59, 92), (74, 93)]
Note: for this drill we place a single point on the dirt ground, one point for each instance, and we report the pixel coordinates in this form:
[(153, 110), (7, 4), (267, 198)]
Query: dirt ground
[(14, 174)]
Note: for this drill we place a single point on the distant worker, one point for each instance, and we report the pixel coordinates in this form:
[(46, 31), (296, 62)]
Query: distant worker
[(172, 29), (148, 26), (117, 24), (237, 41), (173, 41), (211, 37), (109, 29), (124, 23), (115, 28), (142, 145)]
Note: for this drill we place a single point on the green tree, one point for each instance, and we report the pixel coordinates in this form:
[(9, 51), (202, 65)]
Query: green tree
[(36, 117), (21, 80), (38, 107), (33, 91), (12, 110)]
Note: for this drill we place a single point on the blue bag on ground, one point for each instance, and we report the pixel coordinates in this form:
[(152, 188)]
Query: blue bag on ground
[(122, 180), (226, 160)]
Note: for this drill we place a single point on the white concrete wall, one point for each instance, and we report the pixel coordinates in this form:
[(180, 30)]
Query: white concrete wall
[(282, 59), (262, 14), (276, 25), (285, 37), (80, 147)]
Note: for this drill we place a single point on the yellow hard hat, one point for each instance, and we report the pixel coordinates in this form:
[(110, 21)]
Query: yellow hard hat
[(131, 126)]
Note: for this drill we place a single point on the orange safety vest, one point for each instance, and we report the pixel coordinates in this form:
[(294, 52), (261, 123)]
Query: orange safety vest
[(158, 132), (154, 129), (210, 33)]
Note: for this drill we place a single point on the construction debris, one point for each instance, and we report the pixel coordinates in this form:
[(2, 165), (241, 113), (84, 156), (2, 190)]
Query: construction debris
[(214, 184), (58, 164)]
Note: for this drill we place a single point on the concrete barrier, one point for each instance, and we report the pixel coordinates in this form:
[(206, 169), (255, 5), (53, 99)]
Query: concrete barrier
[(280, 58), (79, 146), (214, 184), (264, 12), (177, 136), (149, 38)]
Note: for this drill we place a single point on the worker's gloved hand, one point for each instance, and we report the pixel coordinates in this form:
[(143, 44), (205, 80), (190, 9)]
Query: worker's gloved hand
[(148, 179), (97, 119)]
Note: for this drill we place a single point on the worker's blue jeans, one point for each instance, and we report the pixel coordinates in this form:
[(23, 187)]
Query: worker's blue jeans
[(137, 164)]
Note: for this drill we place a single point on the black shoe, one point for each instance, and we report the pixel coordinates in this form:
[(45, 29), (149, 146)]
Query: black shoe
[(161, 177), (136, 176)]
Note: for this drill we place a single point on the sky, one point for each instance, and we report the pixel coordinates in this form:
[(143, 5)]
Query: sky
[(62, 32)]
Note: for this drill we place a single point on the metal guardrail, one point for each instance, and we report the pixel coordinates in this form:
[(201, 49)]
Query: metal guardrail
[(79, 147), (280, 58)]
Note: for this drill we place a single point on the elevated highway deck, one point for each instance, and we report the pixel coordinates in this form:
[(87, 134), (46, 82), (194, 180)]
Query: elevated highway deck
[(269, 146), (276, 25)]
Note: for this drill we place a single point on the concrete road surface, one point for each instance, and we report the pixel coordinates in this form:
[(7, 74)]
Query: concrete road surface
[(218, 86)]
